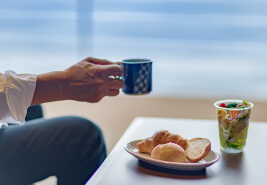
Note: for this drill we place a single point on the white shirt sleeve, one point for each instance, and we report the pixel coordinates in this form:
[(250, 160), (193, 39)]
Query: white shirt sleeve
[(16, 94)]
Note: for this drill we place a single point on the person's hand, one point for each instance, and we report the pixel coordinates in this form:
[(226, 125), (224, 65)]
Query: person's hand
[(92, 79), (89, 80)]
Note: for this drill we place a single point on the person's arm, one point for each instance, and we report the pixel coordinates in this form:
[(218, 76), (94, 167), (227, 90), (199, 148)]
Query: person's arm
[(49, 87), (89, 80)]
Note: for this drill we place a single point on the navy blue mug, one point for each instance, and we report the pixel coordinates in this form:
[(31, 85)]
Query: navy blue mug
[(137, 76)]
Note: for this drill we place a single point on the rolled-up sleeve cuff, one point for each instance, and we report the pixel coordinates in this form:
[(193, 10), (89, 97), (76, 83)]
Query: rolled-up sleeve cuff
[(19, 94)]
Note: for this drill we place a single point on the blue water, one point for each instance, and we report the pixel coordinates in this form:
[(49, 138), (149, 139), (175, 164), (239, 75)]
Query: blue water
[(201, 49)]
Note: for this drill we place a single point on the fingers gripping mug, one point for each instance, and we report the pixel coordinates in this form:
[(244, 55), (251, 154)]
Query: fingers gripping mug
[(137, 76)]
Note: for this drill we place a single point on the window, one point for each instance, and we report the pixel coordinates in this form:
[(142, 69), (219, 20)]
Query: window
[(37, 35), (200, 48)]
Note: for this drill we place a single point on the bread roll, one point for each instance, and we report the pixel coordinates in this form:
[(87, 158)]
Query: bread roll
[(161, 137), (169, 152)]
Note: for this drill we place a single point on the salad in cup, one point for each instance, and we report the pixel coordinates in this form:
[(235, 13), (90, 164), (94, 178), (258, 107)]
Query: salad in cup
[(233, 117)]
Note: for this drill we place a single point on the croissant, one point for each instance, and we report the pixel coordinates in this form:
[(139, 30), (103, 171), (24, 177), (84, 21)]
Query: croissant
[(161, 137)]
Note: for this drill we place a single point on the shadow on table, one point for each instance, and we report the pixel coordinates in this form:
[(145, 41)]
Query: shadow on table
[(232, 161), (233, 168), (151, 169)]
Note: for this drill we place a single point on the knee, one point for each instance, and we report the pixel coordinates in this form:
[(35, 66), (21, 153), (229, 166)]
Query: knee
[(86, 129), (80, 124), (85, 143), (90, 136), (84, 123)]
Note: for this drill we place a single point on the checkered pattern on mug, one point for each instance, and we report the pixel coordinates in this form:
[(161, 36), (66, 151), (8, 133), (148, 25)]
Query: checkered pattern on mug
[(141, 83)]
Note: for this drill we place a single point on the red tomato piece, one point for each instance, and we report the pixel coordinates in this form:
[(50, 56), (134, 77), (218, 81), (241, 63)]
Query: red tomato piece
[(223, 105)]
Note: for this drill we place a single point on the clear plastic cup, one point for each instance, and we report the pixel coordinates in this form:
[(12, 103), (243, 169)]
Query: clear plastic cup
[(233, 124)]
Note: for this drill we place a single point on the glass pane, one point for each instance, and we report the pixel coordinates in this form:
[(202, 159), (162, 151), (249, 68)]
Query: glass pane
[(200, 48)]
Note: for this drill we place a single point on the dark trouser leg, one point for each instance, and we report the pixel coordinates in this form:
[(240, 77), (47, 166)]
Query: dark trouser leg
[(34, 112), (70, 148)]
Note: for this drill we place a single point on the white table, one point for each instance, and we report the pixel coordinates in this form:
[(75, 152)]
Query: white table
[(121, 168)]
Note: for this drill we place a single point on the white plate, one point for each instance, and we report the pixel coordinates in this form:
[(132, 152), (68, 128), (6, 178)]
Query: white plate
[(210, 159)]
